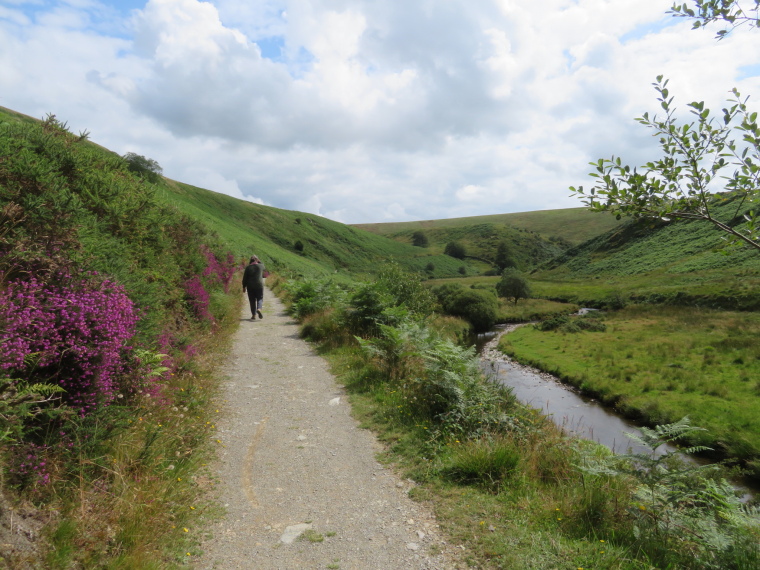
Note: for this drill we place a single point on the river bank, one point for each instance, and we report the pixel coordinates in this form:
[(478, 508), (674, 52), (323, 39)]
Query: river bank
[(576, 413)]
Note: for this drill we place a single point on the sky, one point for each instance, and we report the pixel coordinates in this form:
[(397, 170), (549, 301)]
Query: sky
[(364, 110)]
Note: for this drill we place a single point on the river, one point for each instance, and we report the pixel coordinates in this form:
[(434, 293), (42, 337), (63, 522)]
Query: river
[(575, 413)]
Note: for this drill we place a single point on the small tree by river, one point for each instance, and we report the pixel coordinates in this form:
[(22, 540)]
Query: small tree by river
[(513, 285)]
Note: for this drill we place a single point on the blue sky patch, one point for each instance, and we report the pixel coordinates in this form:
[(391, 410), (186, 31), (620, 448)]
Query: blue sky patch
[(746, 71), (272, 47), (649, 28), (569, 58), (126, 6)]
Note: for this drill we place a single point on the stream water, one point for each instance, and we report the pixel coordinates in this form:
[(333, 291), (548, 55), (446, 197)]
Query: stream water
[(570, 410)]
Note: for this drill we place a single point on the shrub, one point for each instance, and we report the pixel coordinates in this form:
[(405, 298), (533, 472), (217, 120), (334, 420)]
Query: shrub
[(144, 167), (504, 257), (591, 322), (71, 332), (371, 306), (552, 323), (444, 292), (419, 239), (441, 382), (198, 298), (326, 328), (684, 514), (478, 307), (455, 249), (311, 296), (406, 289)]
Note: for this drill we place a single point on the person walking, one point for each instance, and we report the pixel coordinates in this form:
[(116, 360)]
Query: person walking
[(253, 283)]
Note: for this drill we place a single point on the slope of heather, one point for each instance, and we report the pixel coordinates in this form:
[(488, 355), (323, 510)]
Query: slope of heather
[(109, 300)]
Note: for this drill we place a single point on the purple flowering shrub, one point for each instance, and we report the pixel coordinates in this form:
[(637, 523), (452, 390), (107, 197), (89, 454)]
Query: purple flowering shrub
[(198, 298), (72, 332), (199, 287), (217, 271)]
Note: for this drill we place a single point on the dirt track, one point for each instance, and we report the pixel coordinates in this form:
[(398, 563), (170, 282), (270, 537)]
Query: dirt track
[(299, 479)]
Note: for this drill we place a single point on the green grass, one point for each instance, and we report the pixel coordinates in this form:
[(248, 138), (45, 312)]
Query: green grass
[(663, 363), (683, 263), (532, 310), (481, 243)]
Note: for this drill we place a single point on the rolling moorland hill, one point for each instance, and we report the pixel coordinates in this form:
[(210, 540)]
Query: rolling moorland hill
[(296, 243), (679, 262), (570, 225), (288, 241), (524, 240)]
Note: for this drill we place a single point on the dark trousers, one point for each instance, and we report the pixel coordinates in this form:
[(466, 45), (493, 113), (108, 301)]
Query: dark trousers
[(256, 299)]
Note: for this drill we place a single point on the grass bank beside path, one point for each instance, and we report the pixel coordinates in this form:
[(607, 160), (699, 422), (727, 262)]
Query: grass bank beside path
[(134, 491), (523, 505), (659, 364)]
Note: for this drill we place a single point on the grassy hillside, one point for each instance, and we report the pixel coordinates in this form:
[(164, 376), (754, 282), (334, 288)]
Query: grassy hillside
[(573, 225), (481, 242), (112, 305), (682, 262), (328, 247)]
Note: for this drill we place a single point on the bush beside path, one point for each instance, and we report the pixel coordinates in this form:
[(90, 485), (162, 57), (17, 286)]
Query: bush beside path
[(298, 478)]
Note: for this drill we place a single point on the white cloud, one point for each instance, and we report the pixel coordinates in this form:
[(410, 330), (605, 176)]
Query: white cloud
[(367, 111), (211, 179)]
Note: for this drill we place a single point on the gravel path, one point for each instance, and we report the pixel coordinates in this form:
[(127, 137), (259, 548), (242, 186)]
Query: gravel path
[(298, 477)]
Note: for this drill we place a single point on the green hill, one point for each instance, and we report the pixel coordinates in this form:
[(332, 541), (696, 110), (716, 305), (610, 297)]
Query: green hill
[(526, 239), (482, 242), (680, 262), (571, 225), (326, 247)]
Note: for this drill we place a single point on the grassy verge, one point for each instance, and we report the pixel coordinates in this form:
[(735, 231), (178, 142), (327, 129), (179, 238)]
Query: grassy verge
[(512, 502), (531, 310), (517, 500), (506, 485), (661, 363), (138, 497)]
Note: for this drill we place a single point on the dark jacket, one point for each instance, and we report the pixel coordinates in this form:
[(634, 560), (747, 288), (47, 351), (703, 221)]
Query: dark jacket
[(253, 279)]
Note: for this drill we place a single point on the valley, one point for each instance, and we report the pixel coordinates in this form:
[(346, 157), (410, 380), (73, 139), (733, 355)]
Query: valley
[(109, 411)]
